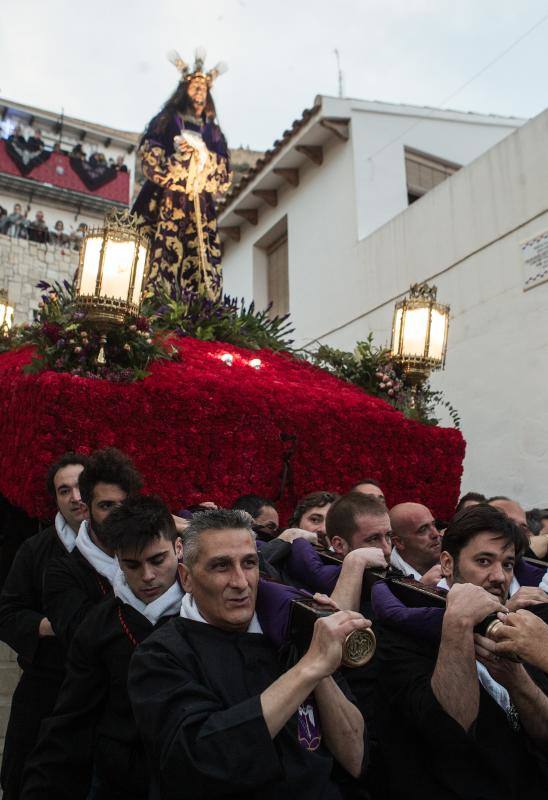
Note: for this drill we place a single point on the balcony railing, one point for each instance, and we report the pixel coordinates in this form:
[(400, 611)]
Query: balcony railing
[(58, 172)]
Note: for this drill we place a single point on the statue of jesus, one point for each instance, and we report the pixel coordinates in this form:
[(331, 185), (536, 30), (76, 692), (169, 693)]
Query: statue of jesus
[(185, 161)]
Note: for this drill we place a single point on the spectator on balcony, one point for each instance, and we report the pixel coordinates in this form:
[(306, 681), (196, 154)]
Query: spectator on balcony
[(78, 152), (35, 142), (14, 224), (120, 166), (38, 229), (17, 137), (77, 236), (97, 160), (58, 236)]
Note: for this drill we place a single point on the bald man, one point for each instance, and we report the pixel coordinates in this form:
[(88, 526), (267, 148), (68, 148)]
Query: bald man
[(417, 543)]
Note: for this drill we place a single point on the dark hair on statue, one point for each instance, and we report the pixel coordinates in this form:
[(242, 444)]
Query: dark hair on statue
[(180, 102), (481, 519), (252, 503), (65, 461), (108, 466), (309, 501), (476, 497), (342, 517), (137, 522)]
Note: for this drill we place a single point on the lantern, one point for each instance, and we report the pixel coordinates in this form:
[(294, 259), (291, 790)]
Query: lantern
[(419, 333), (112, 270), (6, 312)]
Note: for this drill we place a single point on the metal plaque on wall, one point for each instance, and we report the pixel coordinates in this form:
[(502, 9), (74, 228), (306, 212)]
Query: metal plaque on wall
[(535, 260)]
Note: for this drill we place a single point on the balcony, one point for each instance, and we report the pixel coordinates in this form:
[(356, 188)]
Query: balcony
[(56, 180)]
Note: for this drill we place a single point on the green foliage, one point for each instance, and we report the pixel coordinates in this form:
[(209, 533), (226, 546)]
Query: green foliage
[(64, 341), (373, 369), (222, 321)]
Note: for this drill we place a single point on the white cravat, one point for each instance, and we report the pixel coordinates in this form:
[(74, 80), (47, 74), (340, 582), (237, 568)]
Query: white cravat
[(397, 561), (497, 692), (168, 604), (189, 610), (104, 564), (65, 532)]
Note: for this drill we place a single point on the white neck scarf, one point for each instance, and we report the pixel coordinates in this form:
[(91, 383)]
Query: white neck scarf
[(168, 604), (189, 610), (65, 532), (397, 561), (101, 562), (497, 692), (544, 582)]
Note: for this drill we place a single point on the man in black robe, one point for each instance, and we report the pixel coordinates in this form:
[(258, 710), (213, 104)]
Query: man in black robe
[(75, 584), (92, 730), (464, 723), (218, 715), (24, 625)]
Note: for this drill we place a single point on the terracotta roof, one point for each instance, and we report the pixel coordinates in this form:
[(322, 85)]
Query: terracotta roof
[(260, 165)]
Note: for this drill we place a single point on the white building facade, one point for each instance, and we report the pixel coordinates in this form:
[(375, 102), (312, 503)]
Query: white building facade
[(354, 246)]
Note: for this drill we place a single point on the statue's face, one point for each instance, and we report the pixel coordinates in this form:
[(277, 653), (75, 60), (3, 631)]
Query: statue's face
[(197, 91)]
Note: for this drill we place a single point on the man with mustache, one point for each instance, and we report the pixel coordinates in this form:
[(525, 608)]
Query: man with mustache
[(464, 724)]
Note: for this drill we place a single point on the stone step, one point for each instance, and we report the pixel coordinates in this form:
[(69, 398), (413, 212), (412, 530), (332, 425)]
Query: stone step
[(9, 677), (6, 653)]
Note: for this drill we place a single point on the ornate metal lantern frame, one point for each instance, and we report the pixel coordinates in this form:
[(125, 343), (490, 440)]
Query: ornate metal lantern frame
[(417, 366), (109, 295)]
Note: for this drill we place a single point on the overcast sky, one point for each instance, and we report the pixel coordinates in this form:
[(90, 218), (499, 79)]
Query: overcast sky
[(106, 61)]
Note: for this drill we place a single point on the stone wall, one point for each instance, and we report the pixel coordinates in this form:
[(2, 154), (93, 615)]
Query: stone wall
[(24, 263)]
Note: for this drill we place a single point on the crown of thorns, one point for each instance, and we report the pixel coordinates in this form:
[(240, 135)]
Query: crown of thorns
[(188, 74)]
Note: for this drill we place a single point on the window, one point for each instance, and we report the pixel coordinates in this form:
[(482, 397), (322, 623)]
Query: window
[(278, 278), (424, 172), (271, 270)]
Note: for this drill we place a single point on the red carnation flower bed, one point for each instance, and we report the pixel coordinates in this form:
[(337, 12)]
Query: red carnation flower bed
[(200, 429)]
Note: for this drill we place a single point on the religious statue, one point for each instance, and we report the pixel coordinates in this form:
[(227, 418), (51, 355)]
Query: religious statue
[(185, 161)]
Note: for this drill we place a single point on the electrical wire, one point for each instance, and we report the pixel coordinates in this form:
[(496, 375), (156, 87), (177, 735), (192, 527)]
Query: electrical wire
[(463, 86)]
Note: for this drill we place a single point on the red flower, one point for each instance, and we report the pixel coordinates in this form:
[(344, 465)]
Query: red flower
[(52, 331), (198, 429), (142, 324)]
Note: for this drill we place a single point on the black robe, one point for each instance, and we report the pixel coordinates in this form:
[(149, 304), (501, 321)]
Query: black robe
[(195, 691), (15, 527), (92, 729), (72, 588), (431, 755), (41, 659)]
